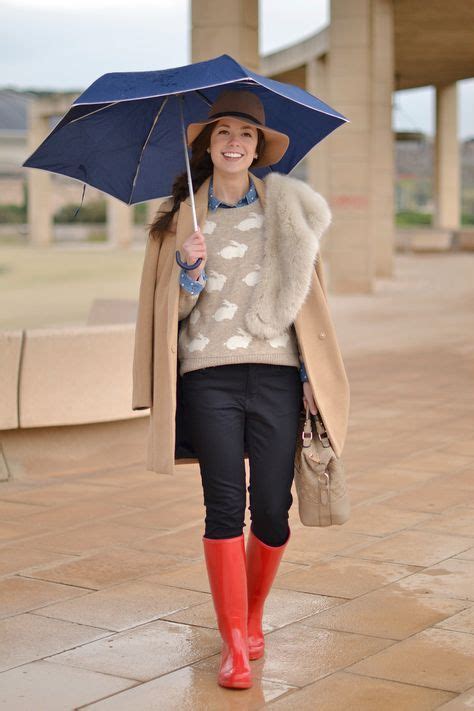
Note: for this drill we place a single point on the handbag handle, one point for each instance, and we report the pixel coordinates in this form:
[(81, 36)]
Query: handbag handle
[(307, 433)]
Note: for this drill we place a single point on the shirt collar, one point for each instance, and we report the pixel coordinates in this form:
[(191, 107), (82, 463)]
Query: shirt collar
[(250, 196)]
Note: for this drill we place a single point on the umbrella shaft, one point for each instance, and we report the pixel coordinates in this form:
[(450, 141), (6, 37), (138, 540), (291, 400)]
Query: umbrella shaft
[(188, 167)]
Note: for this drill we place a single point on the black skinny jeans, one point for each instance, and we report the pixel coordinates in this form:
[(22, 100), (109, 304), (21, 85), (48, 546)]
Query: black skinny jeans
[(240, 407)]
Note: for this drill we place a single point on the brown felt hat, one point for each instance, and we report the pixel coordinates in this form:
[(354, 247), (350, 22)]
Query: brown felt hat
[(247, 106)]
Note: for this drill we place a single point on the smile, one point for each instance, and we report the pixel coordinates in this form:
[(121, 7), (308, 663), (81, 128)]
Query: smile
[(230, 155)]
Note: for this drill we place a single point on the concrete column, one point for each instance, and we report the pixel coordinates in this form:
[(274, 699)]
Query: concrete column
[(225, 27), (119, 222), (39, 182), (383, 142), (447, 191), (360, 162), (317, 159)]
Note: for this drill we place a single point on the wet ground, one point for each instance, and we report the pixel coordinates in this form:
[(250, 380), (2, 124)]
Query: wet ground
[(104, 599)]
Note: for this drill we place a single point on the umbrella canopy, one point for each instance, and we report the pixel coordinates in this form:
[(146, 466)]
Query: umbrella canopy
[(124, 135)]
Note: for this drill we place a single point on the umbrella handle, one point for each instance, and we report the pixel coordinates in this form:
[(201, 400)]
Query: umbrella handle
[(186, 266)]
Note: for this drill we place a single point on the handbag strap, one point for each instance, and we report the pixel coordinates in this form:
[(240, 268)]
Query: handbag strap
[(307, 434)]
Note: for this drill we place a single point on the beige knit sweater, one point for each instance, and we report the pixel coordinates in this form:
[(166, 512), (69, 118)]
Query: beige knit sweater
[(212, 328)]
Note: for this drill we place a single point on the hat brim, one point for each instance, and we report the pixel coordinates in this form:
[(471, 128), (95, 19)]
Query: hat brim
[(276, 143)]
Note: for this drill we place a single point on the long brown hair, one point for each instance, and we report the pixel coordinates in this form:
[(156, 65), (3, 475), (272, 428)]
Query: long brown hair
[(201, 168)]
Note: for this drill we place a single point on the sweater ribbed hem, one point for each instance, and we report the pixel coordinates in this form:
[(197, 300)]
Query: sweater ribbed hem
[(269, 358)]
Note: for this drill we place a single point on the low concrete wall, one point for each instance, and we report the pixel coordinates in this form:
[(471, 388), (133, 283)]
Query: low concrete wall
[(62, 377), (73, 376), (10, 354), (428, 239)]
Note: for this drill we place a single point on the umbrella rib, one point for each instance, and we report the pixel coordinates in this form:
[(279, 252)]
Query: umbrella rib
[(96, 111), (155, 121), (204, 97)]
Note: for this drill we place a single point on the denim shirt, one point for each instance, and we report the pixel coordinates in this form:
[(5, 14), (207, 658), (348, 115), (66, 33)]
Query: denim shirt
[(196, 286)]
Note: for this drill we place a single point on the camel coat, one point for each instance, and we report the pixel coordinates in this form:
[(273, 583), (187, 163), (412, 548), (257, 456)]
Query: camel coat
[(291, 291)]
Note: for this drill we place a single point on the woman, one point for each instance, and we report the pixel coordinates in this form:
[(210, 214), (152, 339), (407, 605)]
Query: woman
[(242, 326)]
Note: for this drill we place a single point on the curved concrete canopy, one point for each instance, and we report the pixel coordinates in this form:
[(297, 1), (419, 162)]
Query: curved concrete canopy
[(433, 45)]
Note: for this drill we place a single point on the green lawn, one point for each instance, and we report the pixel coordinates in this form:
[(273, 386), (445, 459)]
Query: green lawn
[(56, 286)]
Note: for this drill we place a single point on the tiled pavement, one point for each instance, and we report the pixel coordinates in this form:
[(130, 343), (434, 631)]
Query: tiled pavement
[(104, 599)]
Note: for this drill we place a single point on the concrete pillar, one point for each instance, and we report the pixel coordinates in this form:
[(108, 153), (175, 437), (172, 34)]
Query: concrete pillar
[(447, 191), (360, 153), (225, 27), (119, 222), (383, 142), (39, 182), (317, 160)]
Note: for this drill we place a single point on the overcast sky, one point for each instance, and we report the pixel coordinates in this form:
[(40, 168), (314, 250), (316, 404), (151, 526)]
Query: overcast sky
[(67, 44)]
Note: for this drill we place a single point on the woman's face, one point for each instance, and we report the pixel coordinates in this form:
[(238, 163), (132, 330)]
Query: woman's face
[(233, 145)]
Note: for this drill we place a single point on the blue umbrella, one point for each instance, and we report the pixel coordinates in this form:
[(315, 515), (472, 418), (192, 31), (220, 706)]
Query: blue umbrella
[(125, 134)]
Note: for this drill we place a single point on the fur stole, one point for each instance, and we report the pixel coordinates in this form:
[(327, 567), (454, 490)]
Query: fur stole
[(295, 218)]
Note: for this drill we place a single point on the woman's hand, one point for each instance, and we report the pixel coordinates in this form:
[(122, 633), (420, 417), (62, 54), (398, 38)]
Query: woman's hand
[(194, 248), (308, 398)]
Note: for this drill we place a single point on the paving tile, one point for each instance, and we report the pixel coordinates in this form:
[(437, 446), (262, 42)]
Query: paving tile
[(155, 494), (185, 543), (13, 511), (462, 702), (16, 531), (389, 612), (437, 461), (16, 557), (420, 548), (309, 544), (177, 513), (52, 494), (298, 655), (343, 690), (55, 687), (106, 568), (462, 621), (91, 536), (464, 480), (28, 637), (77, 513), (451, 578), (282, 607), (378, 519), (19, 594), (192, 689), (428, 497), (194, 576), (437, 658), (342, 577), (384, 477), (127, 605), (458, 520), (146, 651)]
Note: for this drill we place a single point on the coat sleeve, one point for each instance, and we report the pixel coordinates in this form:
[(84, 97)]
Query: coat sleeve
[(142, 394)]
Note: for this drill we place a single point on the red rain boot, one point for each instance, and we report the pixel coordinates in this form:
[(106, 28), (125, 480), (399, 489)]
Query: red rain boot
[(225, 562), (262, 566)]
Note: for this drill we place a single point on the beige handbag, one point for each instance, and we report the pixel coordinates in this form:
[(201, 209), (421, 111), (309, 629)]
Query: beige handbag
[(319, 476)]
